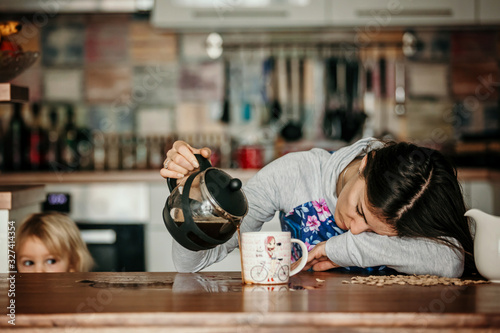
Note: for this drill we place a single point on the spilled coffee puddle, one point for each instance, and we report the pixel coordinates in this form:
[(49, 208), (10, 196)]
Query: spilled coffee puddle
[(127, 283), (302, 286), (193, 282), (293, 287), (217, 277)]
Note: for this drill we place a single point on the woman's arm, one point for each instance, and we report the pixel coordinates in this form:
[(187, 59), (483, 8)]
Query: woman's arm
[(404, 254), (317, 259), (281, 185), (263, 192)]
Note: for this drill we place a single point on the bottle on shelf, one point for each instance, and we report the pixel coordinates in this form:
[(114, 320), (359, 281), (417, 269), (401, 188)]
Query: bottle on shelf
[(69, 141), (213, 141), (156, 155), (52, 156), (225, 151), (85, 149), (99, 153), (37, 139), (17, 144), (168, 143), (113, 152), (141, 153), (127, 151)]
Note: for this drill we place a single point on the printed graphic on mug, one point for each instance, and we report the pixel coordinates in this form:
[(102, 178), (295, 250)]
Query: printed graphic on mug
[(266, 257)]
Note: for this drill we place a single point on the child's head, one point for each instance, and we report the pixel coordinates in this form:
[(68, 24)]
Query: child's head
[(51, 242)]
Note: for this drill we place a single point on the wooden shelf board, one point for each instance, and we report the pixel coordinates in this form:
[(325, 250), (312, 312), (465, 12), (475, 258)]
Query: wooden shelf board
[(69, 177), (13, 94), (153, 176)]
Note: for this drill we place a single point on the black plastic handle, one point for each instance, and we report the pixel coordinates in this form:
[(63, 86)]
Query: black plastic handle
[(204, 164)]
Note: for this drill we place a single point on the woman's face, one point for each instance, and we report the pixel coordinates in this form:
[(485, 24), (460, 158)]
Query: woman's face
[(34, 257), (352, 213)]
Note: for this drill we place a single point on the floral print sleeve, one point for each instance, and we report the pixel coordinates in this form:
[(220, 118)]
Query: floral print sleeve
[(312, 223)]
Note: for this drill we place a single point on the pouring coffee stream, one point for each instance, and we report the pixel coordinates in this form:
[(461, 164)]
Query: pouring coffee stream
[(205, 209)]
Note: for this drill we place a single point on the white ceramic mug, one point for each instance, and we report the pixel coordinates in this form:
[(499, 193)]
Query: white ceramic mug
[(266, 257)]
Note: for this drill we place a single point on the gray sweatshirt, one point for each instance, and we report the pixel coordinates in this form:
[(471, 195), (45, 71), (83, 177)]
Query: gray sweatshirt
[(301, 177)]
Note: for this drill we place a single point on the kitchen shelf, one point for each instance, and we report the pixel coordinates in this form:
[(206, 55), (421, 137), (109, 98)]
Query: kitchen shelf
[(468, 174), (153, 176), (67, 177), (11, 93)]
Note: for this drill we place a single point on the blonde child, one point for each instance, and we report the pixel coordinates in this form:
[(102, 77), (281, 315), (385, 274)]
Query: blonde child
[(51, 242)]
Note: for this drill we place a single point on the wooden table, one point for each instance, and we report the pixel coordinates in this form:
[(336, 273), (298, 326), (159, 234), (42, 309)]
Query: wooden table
[(218, 302)]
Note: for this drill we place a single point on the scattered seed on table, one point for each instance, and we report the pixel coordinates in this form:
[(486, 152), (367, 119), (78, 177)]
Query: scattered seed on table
[(414, 280)]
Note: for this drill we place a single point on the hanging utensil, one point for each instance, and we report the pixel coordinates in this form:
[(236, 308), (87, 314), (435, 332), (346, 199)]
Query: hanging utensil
[(281, 80), (400, 93), (354, 118), (292, 130), (274, 105), (225, 118), (368, 97), (302, 93), (334, 85), (382, 64)]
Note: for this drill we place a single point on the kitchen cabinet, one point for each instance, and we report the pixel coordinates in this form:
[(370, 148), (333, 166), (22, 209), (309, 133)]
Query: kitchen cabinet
[(366, 15), (375, 14), (229, 14), (73, 6), (488, 11)]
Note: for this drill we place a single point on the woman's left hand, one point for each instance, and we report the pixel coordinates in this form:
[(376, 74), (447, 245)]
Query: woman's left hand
[(317, 259)]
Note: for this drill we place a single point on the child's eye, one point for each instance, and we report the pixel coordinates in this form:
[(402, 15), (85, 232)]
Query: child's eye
[(28, 263), (51, 261)]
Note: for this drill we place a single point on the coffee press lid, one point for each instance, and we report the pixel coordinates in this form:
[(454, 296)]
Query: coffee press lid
[(224, 192)]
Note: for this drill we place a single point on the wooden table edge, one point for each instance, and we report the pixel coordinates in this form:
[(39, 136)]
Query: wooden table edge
[(258, 319)]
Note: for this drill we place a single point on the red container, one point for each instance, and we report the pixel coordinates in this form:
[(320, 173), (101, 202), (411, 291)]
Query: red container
[(250, 157)]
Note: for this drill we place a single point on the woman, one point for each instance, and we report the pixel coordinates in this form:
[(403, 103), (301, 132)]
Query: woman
[(397, 205)]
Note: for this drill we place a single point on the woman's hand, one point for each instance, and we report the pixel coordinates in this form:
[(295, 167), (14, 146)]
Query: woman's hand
[(181, 161), (317, 259)]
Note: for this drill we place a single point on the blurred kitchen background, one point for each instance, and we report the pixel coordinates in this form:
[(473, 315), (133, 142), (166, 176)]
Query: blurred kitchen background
[(115, 83)]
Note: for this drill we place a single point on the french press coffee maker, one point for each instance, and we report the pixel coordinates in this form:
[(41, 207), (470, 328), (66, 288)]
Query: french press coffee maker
[(205, 209)]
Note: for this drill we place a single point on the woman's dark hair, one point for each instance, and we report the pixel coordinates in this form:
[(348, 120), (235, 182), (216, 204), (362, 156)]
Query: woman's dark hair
[(416, 190)]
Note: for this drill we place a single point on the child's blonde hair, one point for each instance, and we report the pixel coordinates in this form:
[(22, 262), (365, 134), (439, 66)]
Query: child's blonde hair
[(60, 235)]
